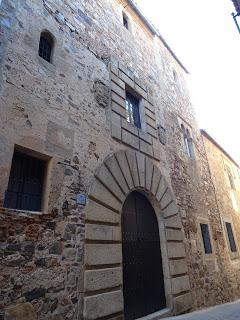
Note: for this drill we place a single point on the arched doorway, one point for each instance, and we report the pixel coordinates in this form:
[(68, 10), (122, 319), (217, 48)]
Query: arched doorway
[(143, 280)]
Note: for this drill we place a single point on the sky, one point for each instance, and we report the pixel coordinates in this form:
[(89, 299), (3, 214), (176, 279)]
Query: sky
[(204, 37)]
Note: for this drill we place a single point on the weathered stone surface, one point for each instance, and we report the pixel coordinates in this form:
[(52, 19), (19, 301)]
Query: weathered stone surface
[(21, 311), (122, 160), (180, 284), (101, 232), (102, 279), (183, 303), (103, 304), (113, 166), (176, 250), (97, 212), (103, 254), (99, 192), (178, 267)]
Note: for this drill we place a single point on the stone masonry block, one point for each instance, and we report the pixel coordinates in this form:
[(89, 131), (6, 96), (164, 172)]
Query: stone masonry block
[(166, 199), (107, 179), (161, 189), (141, 168), (101, 232), (114, 69), (156, 154), (171, 210), (102, 279), (103, 254), (149, 172), (129, 139), (152, 131), (21, 311), (180, 284), (119, 100), (131, 156), (174, 235), (140, 83), (99, 192), (182, 303), (116, 126), (129, 127), (127, 71), (145, 137), (150, 114), (150, 122), (155, 179), (173, 222), (122, 161), (126, 79), (97, 212), (102, 305), (119, 109), (146, 148), (113, 166), (118, 81), (178, 267), (140, 91), (176, 250), (118, 90)]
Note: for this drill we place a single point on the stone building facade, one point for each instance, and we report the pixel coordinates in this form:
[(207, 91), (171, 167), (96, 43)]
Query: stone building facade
[(95, 112)]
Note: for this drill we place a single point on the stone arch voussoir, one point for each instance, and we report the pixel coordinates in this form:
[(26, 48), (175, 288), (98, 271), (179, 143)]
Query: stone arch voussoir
[(120, 174)]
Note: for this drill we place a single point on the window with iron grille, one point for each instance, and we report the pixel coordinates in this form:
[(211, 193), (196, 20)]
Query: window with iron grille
[(206, 238), (25, 186), (46, 46), (132, 110), (231, 238)]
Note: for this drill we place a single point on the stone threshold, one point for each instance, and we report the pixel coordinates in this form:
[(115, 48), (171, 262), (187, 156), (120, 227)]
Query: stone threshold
[(157, 315)]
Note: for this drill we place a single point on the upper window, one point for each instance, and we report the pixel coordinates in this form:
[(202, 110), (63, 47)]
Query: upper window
[(25, 184), (46, 46), (125, 21), (188, 142), (132, 110), (206, 238), (231, 238), (230, 177)]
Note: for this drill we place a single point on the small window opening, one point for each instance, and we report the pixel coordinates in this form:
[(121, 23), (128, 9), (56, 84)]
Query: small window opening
[(46, 46), (25, 186), (175, 76), (188, 142), (206, 238), (125, 21), (132, 110), (231, 238), (230, 177)]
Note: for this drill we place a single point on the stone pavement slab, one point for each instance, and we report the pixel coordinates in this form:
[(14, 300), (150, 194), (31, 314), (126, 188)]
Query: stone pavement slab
[(229, 311)]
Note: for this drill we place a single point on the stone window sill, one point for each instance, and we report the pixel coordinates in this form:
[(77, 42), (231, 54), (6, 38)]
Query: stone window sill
[(20, 213)]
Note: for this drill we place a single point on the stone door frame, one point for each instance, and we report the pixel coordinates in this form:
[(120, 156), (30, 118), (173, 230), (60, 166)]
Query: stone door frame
[(119, 175)]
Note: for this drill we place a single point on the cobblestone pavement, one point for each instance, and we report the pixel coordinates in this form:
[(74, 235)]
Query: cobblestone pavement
[(230, 311)]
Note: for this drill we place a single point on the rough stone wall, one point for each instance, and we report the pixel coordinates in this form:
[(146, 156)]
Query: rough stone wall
[(62, 111)]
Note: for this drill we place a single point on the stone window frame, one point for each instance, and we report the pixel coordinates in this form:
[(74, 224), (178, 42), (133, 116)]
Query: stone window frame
[(145, 139), (182, 122), (206, 256), (233, 255), (46, 179)]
